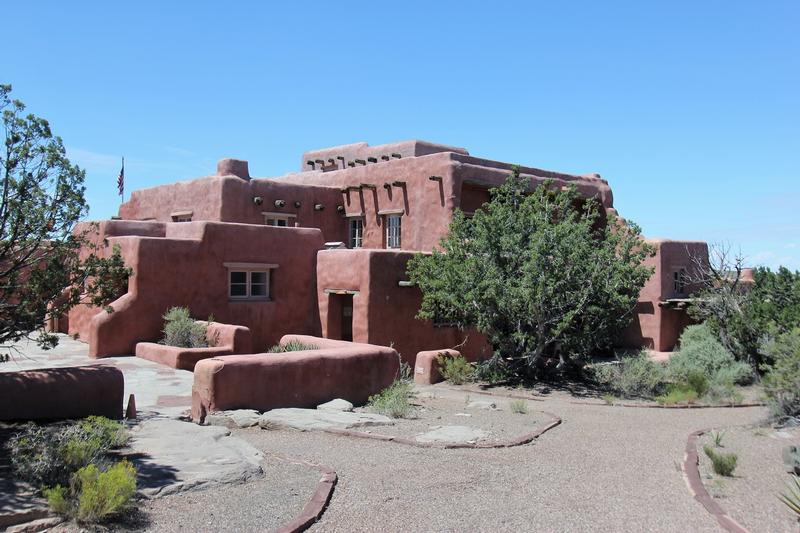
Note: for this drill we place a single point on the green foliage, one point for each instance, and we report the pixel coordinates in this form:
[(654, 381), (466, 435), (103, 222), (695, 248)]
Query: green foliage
[(49, 455), (744, 317), (456, 370), (722, 388), (393, 401), (610, 399), (43, 272), (782, 379), (292, 346), (491, 371), (635, 376), (716, 436), (701, 355), (680, 393), (792, 496), (181, 330), (519, 407), (538, 272), (723, 463), (93, 494)]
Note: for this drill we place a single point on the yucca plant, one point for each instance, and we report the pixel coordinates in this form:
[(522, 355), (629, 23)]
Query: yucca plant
[(792, 496)]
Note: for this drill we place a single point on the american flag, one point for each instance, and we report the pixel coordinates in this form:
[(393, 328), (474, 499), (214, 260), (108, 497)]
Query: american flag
[(121, 179)]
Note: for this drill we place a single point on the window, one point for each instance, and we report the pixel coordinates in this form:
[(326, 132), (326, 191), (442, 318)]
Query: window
[(280, 220), (356, 232), (393, 231), (679, 281), (181, 216), (249, 281)]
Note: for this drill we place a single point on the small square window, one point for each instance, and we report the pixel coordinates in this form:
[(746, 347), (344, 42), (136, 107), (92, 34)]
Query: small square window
[(278, 222), (679, 282), (248, 284), (393, 231)]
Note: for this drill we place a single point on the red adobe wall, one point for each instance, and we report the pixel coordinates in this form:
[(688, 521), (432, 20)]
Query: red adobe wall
[(383, 312), (654, 326), (187, 269)]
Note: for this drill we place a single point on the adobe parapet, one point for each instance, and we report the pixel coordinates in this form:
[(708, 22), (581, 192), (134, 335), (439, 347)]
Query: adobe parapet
[(233, 167), (362, 154)]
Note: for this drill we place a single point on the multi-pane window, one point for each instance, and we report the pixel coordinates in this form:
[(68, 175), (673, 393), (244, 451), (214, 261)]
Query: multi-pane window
[(281, 222), (393, 231), (245, 284), (356, 232), (679, 281)]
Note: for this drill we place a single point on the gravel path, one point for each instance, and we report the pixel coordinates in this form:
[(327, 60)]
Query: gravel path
[(261, 505), (603, 469), (751, 496)]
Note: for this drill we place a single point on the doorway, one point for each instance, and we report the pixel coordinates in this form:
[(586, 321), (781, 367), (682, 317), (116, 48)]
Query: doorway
[(347, 317), (340, 315)]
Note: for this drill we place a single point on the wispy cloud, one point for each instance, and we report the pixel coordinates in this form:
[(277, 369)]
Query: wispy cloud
[(177, 150), (93, 160)]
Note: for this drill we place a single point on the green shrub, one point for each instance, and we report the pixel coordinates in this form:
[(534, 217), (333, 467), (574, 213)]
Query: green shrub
[(49, 455), (491, 371), (456, 370), (678, 394), (292, 346), (395, 400), (639, 376), (716, 436), (93, 494), (519, 407), (701, 353), (782, 380), (182, 330), (722, 390), (723, 463)]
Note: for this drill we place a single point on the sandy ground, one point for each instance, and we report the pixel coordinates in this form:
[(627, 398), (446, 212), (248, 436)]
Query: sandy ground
[(751, 496)]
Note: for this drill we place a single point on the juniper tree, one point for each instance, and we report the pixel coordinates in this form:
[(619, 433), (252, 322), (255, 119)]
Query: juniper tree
[(540, 273), (45, 266)]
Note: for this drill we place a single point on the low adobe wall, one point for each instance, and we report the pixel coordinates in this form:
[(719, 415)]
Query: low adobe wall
[(337, 369), (426, 366), (226, 339), (60, 393)]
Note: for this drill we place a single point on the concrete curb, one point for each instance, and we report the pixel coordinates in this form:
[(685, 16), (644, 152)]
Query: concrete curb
[(313, 510), (519, 441), (691, 475)]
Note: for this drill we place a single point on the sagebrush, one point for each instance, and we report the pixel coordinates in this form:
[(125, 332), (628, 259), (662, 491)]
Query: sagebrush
[(456, 370), (93, 494), (395, 400), (292, 346), (782, 379), (181, 330)]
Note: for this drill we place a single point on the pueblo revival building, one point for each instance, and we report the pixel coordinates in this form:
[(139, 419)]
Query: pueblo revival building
[(323, 251)]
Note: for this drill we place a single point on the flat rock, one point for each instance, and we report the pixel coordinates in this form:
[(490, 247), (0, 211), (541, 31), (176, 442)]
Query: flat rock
[(34, 526), (237, 418), (482, 404), (173, 456), (336, 405), (452, 434), (308, 419)]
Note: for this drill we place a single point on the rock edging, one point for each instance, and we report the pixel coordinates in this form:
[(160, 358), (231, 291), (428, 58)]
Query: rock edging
[(691, 475)]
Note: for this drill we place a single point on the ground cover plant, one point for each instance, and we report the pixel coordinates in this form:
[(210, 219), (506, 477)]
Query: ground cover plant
[(74, 467), (395, 400), (540, 272), (791, 498), (181, 330), (519, 407), (292, 346), (456, 370), (723, 464)]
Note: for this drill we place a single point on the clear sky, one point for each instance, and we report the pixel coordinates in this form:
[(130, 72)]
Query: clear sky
[(690, 109)]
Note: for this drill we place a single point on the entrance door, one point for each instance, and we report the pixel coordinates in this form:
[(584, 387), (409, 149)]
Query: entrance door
[(347, 317)]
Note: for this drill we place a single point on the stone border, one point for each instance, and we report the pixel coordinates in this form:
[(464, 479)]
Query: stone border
[(519, 441), (313, 510), (657, 406), (691, 475)]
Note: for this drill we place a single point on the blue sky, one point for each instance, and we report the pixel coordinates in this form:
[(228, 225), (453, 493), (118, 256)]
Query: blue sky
[(690, 109)]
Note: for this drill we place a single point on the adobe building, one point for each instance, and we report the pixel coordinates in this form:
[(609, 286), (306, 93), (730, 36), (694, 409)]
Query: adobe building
[(323, 251)]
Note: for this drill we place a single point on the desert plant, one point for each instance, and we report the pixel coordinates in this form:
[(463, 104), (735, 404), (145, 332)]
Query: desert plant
[(678, 394), (639, 376), (93, 494), (491, 371), (723, 390), (456, 370), (716, 437), (782, 379), (791, 458), (723, 463), (181, 330), (49, 455), (701, 354), (292, 346), (519, 407), (393, 401), (792, 496), (610, 399)]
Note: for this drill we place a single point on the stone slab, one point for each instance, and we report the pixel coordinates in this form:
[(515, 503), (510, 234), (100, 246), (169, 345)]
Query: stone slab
[(453, 434), (310, 419), (336, 405), (173, 456)]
